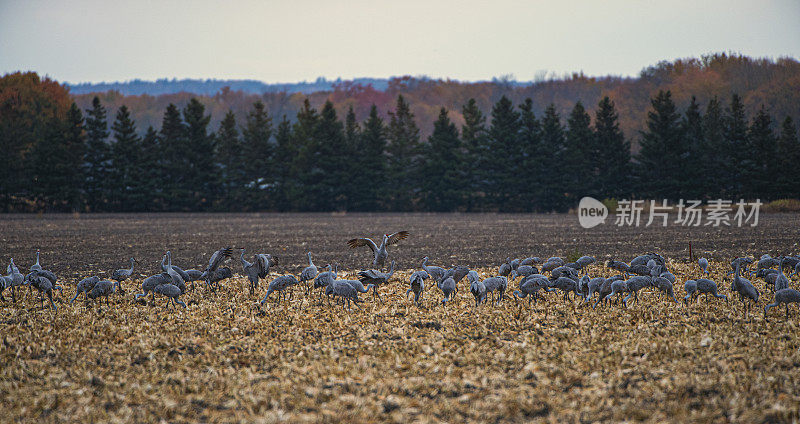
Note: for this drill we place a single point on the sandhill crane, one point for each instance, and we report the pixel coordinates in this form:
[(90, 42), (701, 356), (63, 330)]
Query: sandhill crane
[(85, 286), (358, 285), (177, 279), (103, 288), (595, 285), (505, 268), (478, 290), (308, 273), (766, 261), (379, 251), (531, 261), (618, 266), (704, 286), (123, 274), (514, 263), (566, 285), (785, 296), (551, 265), (150, 283), (254, 270), (36, 266), (744, 288), (743, 261), (436, 272), (447, 286), (214, 262), (524, 271), (279, 285), (564, 271), (44, 285), (172, 292), (344, 292), (796, 269), (220, 274), (496, 284), (781, 281), (636, 283), (458, 273), (703, 264), (417, 281), (377, 278), (193, 275), (665, 286), (324, 278), (530, 287), (617, 287), (585, 261)]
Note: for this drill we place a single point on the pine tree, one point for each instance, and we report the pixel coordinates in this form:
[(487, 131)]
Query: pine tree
[(578, 180), (442, 186), (504, 145), (334, 157), (551, 191), (404, 159), (74, 150), (760, 167), (475, 149), (285, 152), (716, 156), (529, 180), (788, 160), (97, 159), (371, 175), (124, 156), (692, 127), (306, 189), (612, 151), (173, 165), (662, 152), (258, 156), (231, 159), (735, 130), (147, 195), (202, 173)]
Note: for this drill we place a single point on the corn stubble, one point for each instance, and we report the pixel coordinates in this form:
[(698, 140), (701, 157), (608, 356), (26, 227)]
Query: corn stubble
[(224, 359)]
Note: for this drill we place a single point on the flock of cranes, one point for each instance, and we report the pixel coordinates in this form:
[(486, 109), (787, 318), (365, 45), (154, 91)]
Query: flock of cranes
[(536, 276)]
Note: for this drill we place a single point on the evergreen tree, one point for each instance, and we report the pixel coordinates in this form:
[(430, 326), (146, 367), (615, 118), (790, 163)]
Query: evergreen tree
[(578, 181), (692, 127), (716, 156), (504, 146), (231, 159), (552, 188), (788, 160), (202, 174), (124, 156), (285, 152), (334, 157), (258, 156), (371, 175), (477, 173), (735, 130), (97, 159), (760, 168), (147, 195), (529, 180), (612, 153), (305, 188), (173, 164), (403, 151), (442, 186), (661, 168), (74, 150)]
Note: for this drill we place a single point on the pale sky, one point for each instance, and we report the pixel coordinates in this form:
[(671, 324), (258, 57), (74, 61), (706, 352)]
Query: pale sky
[(288, 41)]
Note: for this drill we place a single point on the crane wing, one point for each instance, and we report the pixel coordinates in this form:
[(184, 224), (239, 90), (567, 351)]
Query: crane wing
[(358, 242), (394, 238)]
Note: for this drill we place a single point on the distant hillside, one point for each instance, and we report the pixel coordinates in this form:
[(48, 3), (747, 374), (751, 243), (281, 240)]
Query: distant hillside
[(212, 86), (772, 83)]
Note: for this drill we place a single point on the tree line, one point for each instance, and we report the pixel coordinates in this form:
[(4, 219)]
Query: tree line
[(510, 161)]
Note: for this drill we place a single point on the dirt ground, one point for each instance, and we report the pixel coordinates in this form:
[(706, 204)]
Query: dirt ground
[(225, 359)]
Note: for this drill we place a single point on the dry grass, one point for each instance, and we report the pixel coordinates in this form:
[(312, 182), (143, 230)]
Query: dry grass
[(223, 359), (782, 205)]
